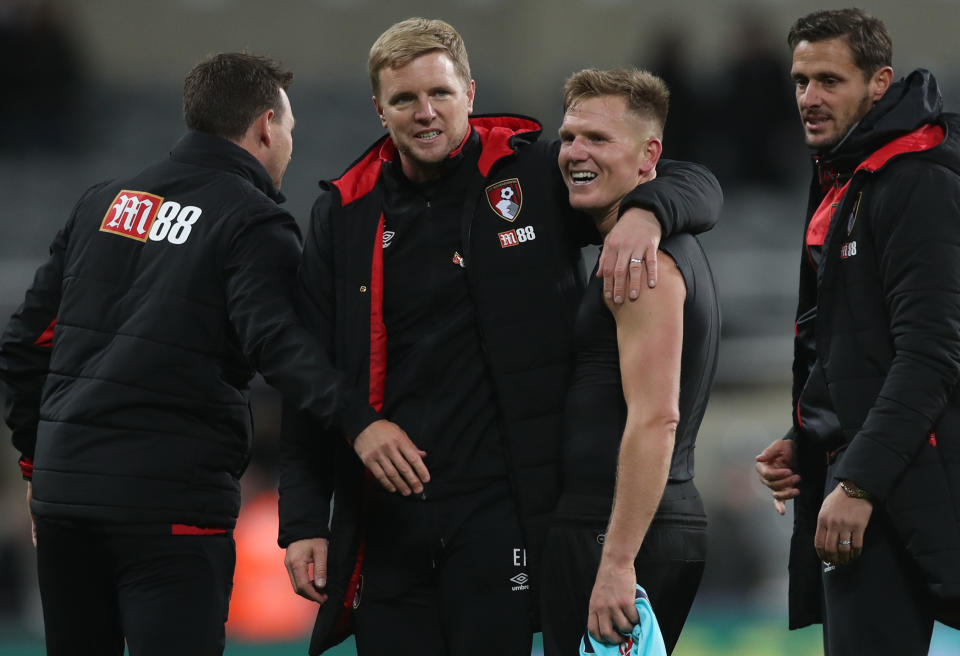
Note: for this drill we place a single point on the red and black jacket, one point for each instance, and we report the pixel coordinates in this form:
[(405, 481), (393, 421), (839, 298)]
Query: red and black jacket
[(525, 297), (879, 346), (167, 290)]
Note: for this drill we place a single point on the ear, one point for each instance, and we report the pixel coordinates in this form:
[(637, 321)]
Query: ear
[(652, 150), (262, 126), (471, 92), (376, 105), (880, 82)]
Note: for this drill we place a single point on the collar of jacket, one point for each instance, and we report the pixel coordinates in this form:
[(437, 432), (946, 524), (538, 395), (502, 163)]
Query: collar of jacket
[(499, 136), (909, 103), (213, 152)]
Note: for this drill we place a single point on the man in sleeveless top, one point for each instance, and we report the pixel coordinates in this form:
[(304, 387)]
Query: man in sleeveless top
[(640, 387)]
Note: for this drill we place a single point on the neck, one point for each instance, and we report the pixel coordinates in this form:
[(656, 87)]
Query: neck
[(606, 218)]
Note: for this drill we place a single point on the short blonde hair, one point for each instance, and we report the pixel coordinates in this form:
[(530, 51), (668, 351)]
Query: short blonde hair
[(403, 42), (645, 93)]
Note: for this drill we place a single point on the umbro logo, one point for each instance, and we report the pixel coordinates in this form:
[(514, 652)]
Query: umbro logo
[(521, 582), (387, 236)]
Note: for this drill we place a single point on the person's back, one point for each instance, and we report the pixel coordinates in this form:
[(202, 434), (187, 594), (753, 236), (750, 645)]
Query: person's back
[(144, 418), (161, 296)]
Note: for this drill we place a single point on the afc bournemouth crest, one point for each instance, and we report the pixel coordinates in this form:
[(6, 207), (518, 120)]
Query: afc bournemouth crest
[(505, 198)]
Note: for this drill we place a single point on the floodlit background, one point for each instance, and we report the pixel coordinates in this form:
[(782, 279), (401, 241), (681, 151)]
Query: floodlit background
[(91, 90)]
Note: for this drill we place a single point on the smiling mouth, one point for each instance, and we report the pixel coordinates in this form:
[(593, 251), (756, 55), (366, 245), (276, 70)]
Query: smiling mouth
[(427, 136), (814, 122), (582, 177)]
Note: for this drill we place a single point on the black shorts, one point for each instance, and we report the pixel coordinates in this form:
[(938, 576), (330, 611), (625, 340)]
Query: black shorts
[(445, 577), (161, 594), (669, 565)]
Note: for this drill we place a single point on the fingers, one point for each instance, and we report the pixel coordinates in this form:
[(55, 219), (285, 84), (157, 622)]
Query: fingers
[(650, 261), (825, 542), (401, 471), (841, 525), (392, 458), (614, 268), (856, 546), (774, 465), (782, 484), (605, 267), (299, 561), (621, 275), (320, 565), (302, 582), (612, 625)]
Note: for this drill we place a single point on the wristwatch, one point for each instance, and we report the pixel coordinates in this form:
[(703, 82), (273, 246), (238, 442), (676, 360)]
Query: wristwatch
[(852, 491)]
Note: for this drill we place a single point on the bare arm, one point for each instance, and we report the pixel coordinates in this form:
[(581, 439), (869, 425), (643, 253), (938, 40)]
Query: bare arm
[(650, 340)]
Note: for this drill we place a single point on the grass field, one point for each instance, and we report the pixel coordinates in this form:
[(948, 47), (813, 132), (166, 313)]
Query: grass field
[(714, 635)]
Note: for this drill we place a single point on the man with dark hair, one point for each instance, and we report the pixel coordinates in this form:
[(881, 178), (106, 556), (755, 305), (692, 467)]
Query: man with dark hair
[(443, 270), (629, 512), (127, 367), (873, 456)]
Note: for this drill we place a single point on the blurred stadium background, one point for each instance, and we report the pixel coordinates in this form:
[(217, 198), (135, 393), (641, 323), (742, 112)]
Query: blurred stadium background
[(91, 90)]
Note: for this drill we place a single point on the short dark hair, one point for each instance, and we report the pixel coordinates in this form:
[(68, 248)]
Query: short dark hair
[(867, 36), (225, 93)]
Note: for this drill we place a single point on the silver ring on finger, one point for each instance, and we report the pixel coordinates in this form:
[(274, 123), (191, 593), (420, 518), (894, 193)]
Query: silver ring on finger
[(845, 543), (636, 260)]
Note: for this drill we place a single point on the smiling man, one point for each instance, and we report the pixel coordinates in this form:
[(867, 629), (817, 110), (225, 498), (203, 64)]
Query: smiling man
[(443, 271), (629, 512), (873, 458)]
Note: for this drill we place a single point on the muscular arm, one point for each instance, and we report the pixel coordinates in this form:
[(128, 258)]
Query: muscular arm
[(684, 197), (650, 339)]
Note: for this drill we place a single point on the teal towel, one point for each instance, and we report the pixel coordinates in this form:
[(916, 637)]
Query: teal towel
[(645, 640)]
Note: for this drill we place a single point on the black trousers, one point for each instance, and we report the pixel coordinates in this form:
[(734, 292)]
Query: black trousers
[(876, 604), (445, 577), (161, 594), (669, 565)]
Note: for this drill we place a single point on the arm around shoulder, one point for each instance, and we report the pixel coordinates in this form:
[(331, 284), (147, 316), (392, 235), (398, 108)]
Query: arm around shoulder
[(685, 197)]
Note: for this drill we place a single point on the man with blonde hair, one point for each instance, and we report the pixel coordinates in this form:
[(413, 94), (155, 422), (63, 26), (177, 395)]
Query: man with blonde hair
[(628, 512), (443, 271)]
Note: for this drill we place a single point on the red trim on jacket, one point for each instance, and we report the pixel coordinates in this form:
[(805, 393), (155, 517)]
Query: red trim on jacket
[(495, 133), (361, 178), (495, 137), (378, 330), (45, 340), (26, 468), (923, 138), (186, 529)]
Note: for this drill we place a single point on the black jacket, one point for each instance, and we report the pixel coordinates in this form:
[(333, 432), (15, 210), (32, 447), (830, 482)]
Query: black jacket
[(883, 350), (162, 294), (525, 295)]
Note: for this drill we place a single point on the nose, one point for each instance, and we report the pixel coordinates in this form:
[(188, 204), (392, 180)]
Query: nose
[(576, 150), (425, 111), (810, 96)]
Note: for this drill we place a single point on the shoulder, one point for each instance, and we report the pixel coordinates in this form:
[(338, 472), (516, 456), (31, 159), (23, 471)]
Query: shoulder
[(671, 291)]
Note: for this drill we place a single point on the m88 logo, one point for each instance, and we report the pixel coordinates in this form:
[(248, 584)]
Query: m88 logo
[(141, 216)]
